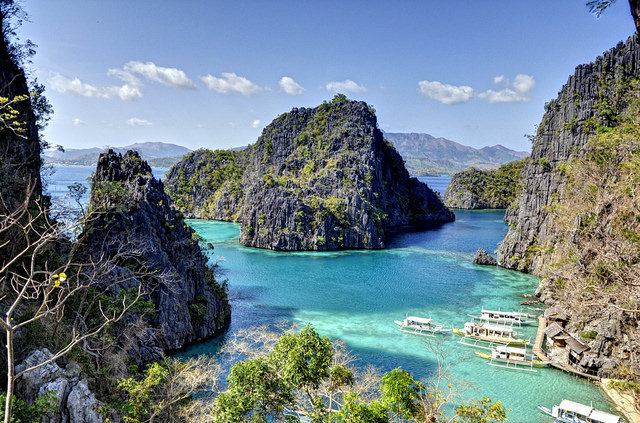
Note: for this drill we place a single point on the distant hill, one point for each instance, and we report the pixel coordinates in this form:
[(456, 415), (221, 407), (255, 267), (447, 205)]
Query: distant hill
[(425, 154), (158, 154)]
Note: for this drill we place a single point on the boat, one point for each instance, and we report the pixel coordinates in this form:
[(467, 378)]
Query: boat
[(516, 318), (512, 358), (484, 332), (574, 412), (421, 326)]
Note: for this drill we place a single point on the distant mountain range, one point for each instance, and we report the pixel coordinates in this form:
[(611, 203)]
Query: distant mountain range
[(425, 154), (158, 154)]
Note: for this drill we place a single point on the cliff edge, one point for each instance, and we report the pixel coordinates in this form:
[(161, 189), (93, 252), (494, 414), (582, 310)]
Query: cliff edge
[(575, 222), (135, 213)]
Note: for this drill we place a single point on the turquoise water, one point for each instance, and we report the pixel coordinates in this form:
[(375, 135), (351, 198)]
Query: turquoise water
[(356, 295)]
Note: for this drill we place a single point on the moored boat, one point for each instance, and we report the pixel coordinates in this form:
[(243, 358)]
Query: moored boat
[(421, 326), (574, 412), (488, 332), (512, 358), (502, 317)]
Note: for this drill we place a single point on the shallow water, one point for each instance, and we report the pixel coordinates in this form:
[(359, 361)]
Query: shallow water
[(356, 295)]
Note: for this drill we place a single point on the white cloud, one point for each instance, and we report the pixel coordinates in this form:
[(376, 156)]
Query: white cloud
[(514, 92), (75, 86), (290, 86), (256, 124), (523, 83), (128, 91), (346, 86), (138, 122), (445, 93), (78, 122), (171, 77), (231, 82)]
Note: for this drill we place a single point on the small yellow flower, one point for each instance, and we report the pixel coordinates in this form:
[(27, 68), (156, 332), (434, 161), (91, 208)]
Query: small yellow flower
[(56, 283), (56, 276), (63, 277)]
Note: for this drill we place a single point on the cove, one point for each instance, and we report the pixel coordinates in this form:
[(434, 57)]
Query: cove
[(355, 296)]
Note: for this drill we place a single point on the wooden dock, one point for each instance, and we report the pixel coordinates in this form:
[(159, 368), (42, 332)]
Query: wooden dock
[(623, 402), (539, 352), (537, 345)]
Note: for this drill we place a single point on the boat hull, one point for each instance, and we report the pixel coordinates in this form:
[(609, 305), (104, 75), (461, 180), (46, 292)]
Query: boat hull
[(523, 363)]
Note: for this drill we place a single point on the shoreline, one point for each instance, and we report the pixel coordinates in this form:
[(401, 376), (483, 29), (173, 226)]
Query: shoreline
[(623, 402)]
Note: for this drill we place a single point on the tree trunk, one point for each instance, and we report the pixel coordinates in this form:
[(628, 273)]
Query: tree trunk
[(10, 379)]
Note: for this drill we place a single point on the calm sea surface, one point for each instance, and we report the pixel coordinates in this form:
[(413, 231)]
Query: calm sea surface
[(355, 296)]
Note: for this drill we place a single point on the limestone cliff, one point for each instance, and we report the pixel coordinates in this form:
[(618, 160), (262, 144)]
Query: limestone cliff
[(485, 189), (135, 213), (575, 221), (316, 179), (207, 184), (591, 96)]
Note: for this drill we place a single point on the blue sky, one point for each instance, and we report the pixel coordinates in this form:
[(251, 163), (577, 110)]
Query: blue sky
[(213, 74)]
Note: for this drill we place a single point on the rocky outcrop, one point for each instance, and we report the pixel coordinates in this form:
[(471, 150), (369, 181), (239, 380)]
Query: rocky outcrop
[(316, 179), (572, 222), (135, 214), (73, 400), (590, 97), (485, 189), (484, 258), (208, 184)]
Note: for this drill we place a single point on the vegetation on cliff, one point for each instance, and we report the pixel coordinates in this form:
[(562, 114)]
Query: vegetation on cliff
[(208, 184), (485, 189), (575, 222), (316, 179), (597, 247)]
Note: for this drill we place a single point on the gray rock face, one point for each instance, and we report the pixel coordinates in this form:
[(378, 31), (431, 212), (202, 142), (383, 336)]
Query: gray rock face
[(190, 305), (316, 179), (484, 258), (74, 401), (593, 95), (563, 133)]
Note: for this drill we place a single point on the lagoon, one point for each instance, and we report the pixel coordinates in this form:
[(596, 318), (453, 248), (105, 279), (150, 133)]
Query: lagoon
[(355, 296)]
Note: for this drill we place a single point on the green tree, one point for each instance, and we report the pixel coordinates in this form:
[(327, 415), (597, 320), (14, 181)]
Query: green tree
[(482, 411)]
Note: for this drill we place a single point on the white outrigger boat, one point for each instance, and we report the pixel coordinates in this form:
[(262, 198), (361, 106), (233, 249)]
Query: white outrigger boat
[(512, 358), (492, 333), (421, 326), (573, 412), (515, 318)]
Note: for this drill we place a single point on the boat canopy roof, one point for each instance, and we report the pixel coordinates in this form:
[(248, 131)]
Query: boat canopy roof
[(508, 349), (601, 416), (491, 326), (423, 320), (575, 407), (505, 313)]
